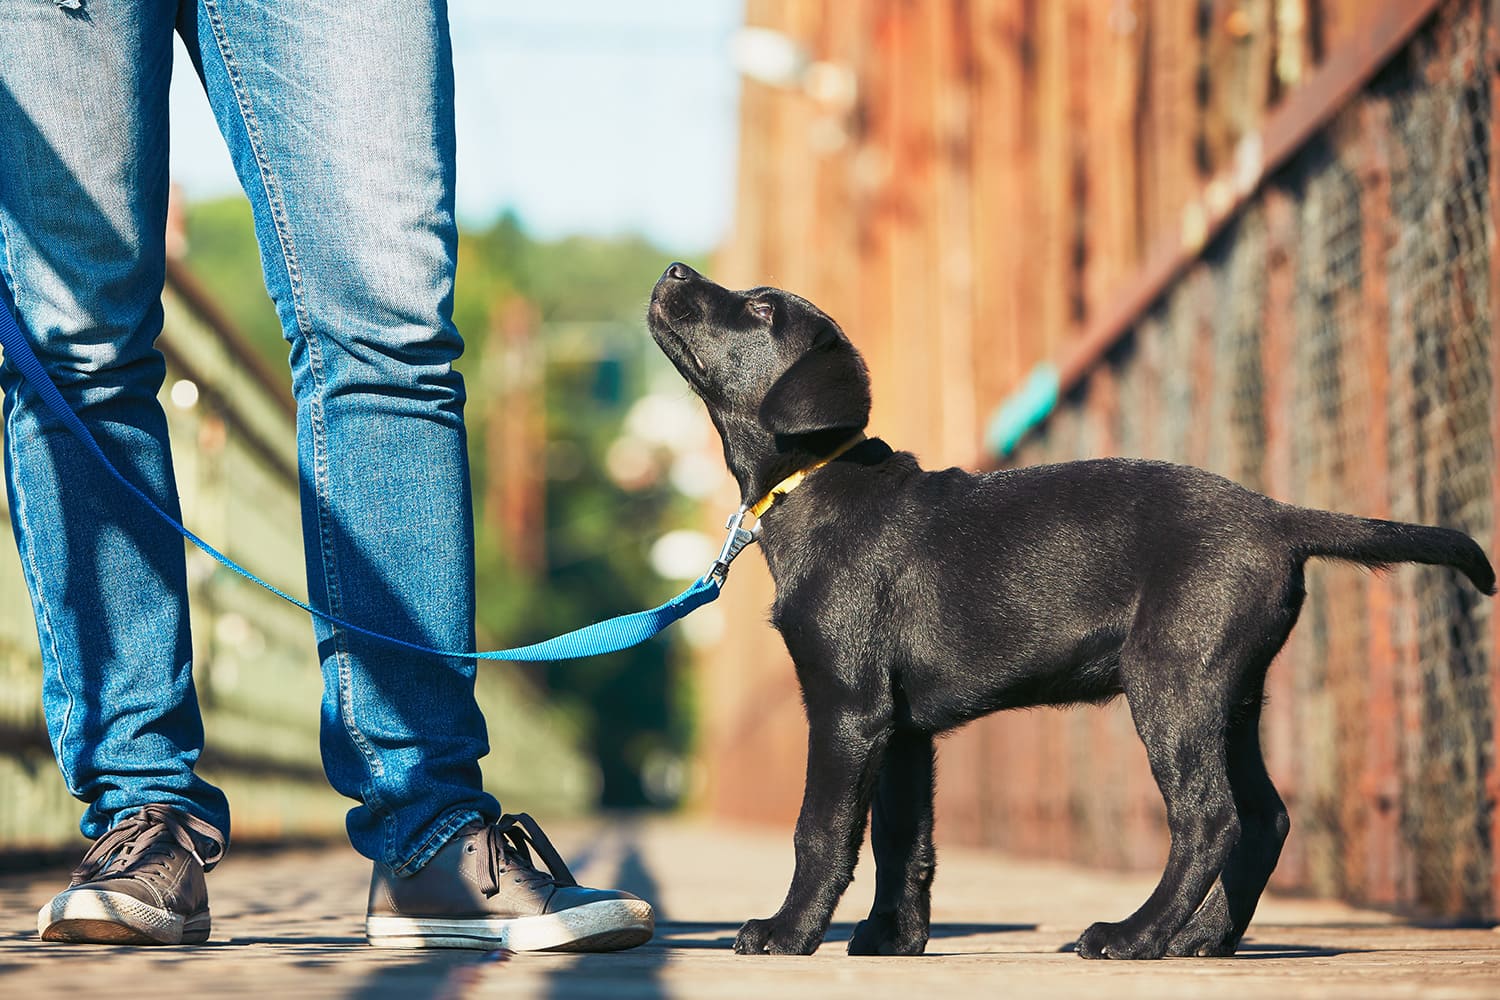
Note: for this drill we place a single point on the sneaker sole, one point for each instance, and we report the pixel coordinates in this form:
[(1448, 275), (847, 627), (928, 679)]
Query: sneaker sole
[(93, 916), (607, 925)]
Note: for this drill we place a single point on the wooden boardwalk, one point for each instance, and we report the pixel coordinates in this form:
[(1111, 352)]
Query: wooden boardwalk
[(287, 923)]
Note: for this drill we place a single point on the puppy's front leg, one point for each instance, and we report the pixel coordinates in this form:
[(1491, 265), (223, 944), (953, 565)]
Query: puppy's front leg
[(844, 751), (901, 834)]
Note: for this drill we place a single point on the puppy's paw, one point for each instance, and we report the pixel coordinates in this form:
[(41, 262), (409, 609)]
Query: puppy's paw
[(1208, 933), (879, 935), (1118, 941), (773, 937), (1204, 938)]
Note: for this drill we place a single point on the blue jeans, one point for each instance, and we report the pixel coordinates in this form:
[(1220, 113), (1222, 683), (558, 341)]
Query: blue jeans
[(339, 118)]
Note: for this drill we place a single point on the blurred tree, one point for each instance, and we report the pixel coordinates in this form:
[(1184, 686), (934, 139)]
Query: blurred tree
[(222, 252)]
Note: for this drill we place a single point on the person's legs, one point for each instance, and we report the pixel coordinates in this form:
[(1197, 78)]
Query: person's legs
[(340, 122), (339, 118), (83, 188)]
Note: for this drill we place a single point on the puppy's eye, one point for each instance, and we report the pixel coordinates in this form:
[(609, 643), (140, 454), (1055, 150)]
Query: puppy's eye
[(763, 311)]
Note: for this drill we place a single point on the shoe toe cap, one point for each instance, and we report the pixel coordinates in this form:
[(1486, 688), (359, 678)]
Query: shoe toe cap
[(569, 896)]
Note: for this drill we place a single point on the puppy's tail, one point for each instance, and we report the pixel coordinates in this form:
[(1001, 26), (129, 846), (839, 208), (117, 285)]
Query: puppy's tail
[(1378, 543)]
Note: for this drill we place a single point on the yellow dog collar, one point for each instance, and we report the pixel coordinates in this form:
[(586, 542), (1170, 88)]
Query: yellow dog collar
[(793, 481)]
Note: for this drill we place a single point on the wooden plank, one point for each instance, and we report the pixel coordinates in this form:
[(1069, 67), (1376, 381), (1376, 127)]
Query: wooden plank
[(794, 257), (1113, 105), (1379, 785), (1294, 49), (950, 232), (913, 155), (875, 170), (1001, 237), (1051, 179), (1227, 46), (1278, 727), (835, 274), (1492, 68), (1170, 155), (1337, 23), (1200, 364)]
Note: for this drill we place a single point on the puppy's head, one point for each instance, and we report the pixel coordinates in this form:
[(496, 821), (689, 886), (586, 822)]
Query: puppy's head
[(780, 379)]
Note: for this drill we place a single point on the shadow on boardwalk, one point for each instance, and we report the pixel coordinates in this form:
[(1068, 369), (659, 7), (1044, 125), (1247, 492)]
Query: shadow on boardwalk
[(289, 923)]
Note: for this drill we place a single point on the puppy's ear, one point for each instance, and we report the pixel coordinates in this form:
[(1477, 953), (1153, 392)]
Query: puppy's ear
[(826, 389)]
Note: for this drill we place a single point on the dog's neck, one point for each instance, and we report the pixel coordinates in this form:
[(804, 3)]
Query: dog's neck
[(794, 480), (761, 462)]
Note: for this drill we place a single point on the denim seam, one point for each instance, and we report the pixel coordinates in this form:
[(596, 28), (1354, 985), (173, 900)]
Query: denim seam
[(441, 834), (9, 264), (272, 191), (59, 747), (28, 553)]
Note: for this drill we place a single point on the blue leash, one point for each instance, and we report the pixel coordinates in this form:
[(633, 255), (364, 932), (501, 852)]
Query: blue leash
[(608, 636)]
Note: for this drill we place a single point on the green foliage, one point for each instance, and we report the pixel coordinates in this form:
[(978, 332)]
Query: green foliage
[(588, 295), (223, 255)]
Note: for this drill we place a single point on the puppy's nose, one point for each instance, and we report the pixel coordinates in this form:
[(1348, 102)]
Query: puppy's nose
[(680, 271)]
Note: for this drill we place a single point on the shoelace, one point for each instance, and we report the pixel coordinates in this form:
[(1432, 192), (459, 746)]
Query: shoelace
[(509, 844), (143, 842)]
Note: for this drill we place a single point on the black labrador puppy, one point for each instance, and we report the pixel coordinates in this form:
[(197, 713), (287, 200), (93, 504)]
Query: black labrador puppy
[(915, 601)]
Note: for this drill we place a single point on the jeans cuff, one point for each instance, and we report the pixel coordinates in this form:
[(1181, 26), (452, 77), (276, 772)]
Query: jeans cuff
[(441, 833)]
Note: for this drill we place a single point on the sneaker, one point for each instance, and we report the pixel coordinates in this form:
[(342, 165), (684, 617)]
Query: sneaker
[(482, 890), (141, 883)]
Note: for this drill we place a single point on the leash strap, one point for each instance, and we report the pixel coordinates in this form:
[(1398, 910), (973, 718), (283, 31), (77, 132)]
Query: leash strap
[(608, 636)]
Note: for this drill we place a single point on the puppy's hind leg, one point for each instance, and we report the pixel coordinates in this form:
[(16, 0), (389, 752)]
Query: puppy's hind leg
[(1215, 930), (1180, 714), (901, 835)]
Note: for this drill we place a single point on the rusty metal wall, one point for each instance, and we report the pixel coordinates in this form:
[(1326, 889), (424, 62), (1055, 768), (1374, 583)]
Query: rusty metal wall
[(993, 192)]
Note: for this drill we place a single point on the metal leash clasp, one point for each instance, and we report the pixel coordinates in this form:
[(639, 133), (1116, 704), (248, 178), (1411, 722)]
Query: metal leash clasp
[(739, 537)]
